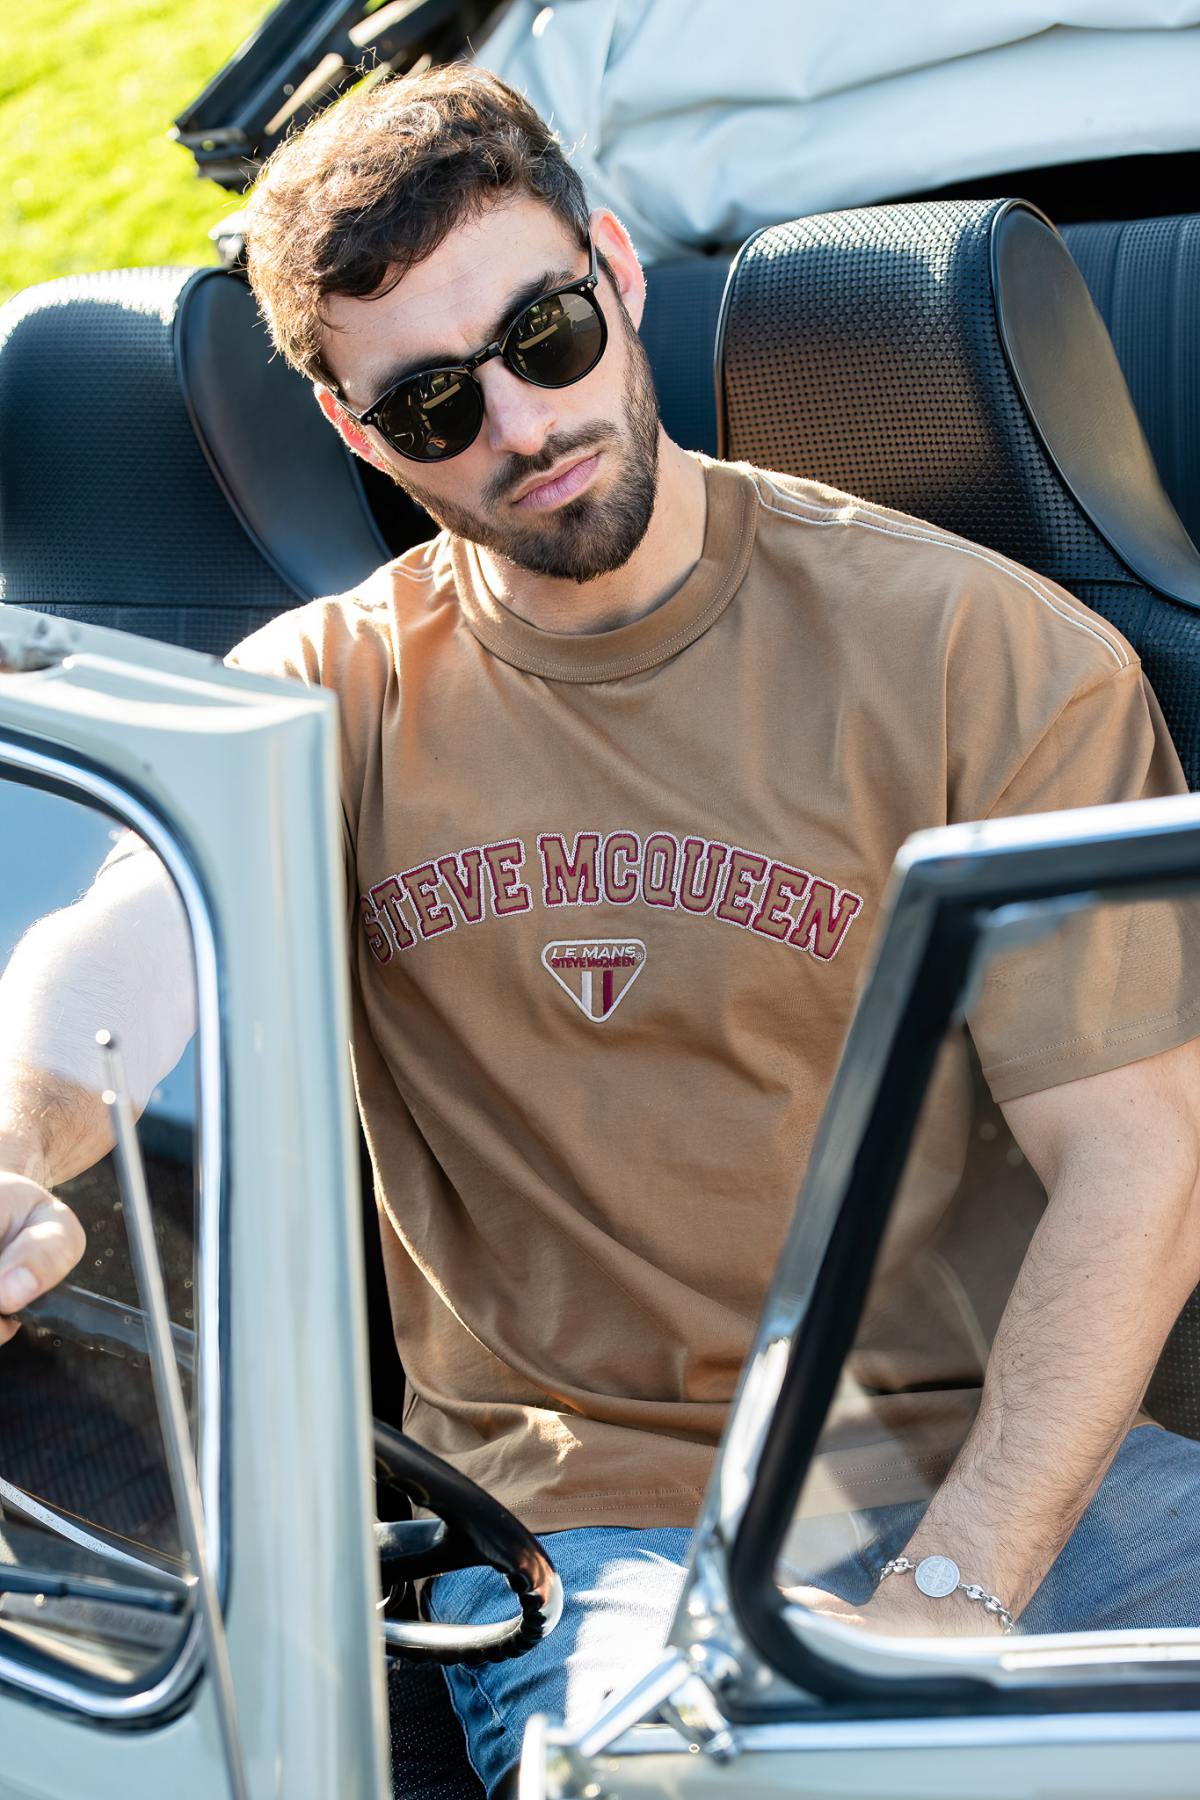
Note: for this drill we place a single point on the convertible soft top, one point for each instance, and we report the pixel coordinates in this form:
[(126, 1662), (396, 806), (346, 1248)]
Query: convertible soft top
[(698, 122)]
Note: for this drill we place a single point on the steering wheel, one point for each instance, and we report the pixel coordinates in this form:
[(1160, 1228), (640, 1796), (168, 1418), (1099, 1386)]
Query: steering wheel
[(471, 1530)]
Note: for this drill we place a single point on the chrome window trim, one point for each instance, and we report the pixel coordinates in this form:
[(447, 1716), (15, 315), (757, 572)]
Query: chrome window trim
[(994, 1731), (126, 808), (1079, 1659)]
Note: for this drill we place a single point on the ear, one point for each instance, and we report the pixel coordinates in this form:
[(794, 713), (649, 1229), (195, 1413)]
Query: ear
[(612, 239), (350, 432)]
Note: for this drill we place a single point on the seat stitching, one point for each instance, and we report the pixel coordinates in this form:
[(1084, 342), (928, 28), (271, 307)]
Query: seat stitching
[(1174, 292)]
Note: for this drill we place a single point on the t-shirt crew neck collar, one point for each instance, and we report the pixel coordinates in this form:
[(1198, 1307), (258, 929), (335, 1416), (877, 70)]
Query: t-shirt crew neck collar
[(607, 655)]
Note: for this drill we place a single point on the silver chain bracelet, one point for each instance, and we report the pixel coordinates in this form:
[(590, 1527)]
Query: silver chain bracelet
[(937, 1576)]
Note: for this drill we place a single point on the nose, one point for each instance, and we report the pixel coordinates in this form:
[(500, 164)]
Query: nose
[(518, 417)]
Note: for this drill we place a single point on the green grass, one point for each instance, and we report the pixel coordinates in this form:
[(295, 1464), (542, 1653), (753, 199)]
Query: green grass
[(88, 177)]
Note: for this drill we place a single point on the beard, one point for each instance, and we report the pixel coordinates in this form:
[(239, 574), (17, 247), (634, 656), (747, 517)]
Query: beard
[(591, 535)]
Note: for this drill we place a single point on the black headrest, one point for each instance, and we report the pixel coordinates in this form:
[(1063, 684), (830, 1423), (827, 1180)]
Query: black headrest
[(159, 470), (946, 359), (283, 471)]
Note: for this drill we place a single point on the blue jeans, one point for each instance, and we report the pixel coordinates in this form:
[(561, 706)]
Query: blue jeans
[(1132, 1560)]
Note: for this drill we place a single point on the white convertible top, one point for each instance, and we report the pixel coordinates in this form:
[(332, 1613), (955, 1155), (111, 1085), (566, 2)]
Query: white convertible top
[(699, 120)]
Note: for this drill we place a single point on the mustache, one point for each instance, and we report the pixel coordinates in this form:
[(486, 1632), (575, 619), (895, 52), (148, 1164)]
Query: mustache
[(522, 468)]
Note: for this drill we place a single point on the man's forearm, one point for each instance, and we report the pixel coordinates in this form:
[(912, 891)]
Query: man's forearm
[(50, 1129), (1107, 1272), (119, 959)]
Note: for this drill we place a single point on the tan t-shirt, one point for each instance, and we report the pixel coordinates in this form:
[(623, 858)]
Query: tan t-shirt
[(613, 895)]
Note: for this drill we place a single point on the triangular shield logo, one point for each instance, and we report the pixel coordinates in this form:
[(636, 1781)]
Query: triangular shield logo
[(596, 972)]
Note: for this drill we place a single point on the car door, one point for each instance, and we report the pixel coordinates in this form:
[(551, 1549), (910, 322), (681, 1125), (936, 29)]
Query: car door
[(222, 786), (1017, 955)]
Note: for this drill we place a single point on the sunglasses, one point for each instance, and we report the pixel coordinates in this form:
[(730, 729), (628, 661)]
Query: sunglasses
[(553, 342)]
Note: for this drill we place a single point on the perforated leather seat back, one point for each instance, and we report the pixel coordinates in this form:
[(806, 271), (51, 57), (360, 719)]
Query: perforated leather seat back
[(946, 359), (159, 472)]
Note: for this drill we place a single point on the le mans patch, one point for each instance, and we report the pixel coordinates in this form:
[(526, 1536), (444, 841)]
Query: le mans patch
[(596, 973)]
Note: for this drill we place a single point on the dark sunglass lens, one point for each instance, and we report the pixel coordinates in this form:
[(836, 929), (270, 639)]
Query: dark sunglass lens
[(556, 341), (432, 416)]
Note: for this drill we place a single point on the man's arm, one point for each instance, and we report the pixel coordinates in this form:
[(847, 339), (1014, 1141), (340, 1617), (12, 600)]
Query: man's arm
[(119, 958), (1111, 1264)]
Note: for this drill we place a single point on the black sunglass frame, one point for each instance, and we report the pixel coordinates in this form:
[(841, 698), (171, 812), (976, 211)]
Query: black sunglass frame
[(585, 287)]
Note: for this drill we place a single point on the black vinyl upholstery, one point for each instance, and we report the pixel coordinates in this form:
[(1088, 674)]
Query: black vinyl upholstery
[(875, 350), (429, 1759), (133, 494), (1144, 275), (678, 329), (285, 475)]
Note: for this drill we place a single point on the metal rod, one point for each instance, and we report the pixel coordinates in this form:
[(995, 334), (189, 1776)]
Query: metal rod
[(177, 1437), (629, 1709)]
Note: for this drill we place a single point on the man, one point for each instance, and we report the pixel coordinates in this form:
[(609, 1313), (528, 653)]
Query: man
[(622, 781)]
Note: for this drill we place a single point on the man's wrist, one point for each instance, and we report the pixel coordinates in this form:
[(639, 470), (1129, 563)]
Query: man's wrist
[(22, 1154), (24, 1095), (966, 1521), (22, 1140), (901, 1610), (948, 1593), (50, 1128)]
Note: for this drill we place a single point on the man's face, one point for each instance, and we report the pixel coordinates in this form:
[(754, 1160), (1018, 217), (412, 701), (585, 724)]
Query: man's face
[(560, 481)]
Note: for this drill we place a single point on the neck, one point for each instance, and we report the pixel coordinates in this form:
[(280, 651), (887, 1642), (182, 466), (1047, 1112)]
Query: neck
[(661, 563)]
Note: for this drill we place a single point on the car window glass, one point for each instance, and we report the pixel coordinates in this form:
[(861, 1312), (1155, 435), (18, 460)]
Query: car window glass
[(92, 1571), (978, 1276)]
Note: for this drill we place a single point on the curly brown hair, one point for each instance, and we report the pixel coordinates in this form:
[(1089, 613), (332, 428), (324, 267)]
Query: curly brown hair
[(373, 186)]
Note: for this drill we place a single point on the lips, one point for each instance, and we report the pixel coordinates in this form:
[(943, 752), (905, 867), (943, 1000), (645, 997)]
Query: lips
[(560, 488)]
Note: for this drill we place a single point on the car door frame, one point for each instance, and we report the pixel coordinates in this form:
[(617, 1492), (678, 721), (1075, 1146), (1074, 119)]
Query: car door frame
[(232, 779), (957, 894)]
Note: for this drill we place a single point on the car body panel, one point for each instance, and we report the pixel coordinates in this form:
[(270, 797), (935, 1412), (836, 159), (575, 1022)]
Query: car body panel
[(241, 773), (840, 1763)]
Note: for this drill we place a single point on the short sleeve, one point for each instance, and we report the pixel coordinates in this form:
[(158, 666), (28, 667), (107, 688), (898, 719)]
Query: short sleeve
[(1113, 983)]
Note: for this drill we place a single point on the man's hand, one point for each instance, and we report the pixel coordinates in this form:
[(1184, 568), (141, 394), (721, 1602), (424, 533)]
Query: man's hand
[(41, 1240), (894, 1611)]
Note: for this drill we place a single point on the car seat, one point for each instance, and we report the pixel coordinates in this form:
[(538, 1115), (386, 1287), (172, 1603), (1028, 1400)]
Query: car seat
[(1143, 274), (946, 359)]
